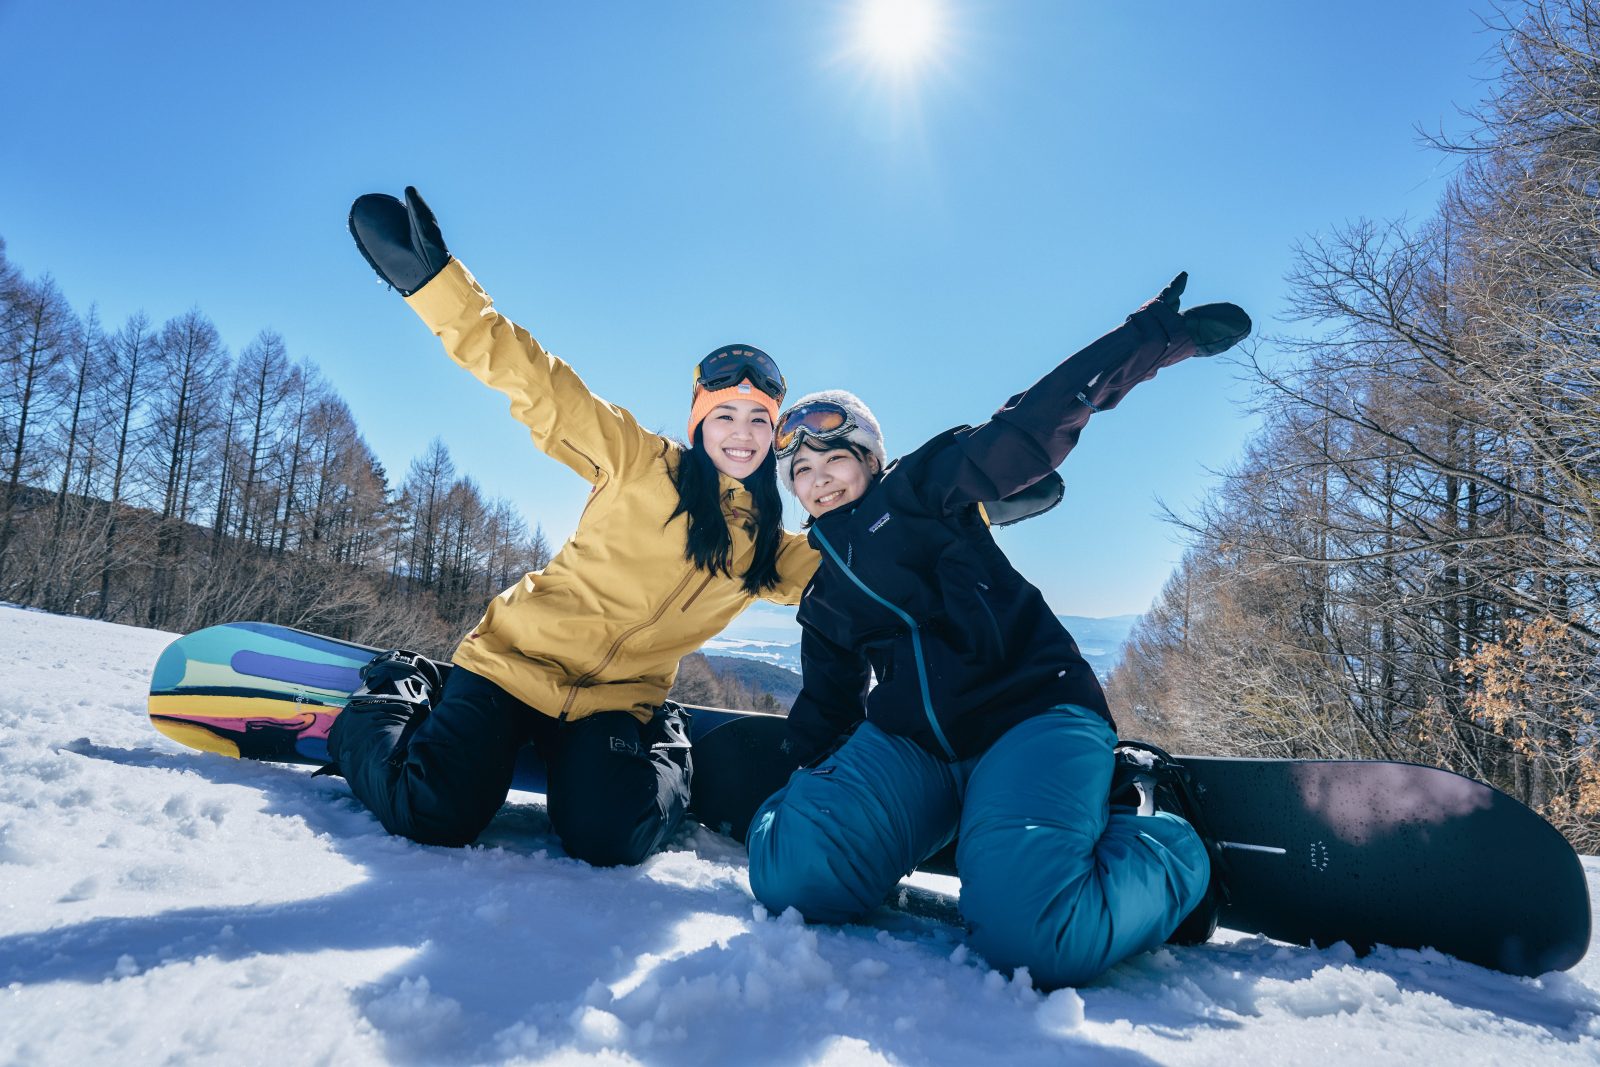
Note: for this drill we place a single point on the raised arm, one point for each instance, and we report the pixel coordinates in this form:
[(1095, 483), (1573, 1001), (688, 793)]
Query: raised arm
[(1034, 430), (403, 244)]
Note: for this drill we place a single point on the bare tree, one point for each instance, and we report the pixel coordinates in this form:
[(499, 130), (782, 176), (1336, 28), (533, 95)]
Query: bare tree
[(427, 483), (67, 556), (262, 379), (305, 393), (191, 365), (127, 383), (38, 339)]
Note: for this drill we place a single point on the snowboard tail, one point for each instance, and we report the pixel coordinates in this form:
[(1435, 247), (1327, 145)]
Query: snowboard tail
[(255, 690), (1380, 853)]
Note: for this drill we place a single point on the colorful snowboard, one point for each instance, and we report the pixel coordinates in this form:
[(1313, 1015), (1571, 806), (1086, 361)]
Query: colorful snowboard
[(1317, 851)]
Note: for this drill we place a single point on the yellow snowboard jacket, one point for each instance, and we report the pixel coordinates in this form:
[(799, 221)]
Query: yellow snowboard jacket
[(603, 625)]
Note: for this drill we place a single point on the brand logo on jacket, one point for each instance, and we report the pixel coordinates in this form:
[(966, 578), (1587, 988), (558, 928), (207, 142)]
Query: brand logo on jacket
[(631, 748), (882, 520)]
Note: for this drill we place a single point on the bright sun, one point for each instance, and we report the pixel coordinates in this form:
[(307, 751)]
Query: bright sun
[(899, 33)]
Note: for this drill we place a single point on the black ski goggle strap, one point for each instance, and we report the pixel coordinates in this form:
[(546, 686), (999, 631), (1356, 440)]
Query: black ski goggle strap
[(732, 364), (821, 420)]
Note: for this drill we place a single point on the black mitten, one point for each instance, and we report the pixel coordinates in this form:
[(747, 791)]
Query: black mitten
[(402, 242), (1215, 328)]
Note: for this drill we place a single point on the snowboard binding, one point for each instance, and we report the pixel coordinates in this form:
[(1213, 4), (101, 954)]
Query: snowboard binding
[(1148, 780), (399, 685)]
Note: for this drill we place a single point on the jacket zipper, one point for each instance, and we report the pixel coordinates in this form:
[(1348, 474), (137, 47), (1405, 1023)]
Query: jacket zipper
[(666, 602), (916, 643)]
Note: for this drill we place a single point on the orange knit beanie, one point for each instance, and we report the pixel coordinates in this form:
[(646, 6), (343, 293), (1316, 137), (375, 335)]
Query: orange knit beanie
[(706, 399)]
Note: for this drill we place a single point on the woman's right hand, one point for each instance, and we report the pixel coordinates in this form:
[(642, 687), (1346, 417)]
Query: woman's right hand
[(401, 241)]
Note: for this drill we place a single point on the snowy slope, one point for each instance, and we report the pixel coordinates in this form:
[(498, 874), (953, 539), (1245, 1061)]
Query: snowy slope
[(160, 905)]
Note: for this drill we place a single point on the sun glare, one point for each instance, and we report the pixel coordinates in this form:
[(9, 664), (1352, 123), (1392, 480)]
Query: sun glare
[(899, 34)]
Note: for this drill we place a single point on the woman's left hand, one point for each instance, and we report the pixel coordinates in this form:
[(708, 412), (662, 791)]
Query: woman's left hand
[(402, 242)]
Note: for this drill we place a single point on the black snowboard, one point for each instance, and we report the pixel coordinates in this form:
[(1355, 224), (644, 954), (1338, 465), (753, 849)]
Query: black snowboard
[(1316, 851)]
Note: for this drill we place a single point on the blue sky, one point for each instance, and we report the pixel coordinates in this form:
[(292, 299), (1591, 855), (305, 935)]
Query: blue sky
[(638, 183)]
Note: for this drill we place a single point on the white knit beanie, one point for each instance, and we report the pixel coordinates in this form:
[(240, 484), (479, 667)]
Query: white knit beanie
[(866, 433)]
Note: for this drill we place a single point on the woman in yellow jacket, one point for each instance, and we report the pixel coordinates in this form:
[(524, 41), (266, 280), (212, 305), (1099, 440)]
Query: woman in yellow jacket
[(577, 658)]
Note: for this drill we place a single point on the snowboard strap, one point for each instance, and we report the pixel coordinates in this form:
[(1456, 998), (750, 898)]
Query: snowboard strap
[(401, 677), (1140, 760), (1195, 813)]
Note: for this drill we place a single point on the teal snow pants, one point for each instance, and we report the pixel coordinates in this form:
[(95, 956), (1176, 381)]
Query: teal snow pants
[(1051, 878)]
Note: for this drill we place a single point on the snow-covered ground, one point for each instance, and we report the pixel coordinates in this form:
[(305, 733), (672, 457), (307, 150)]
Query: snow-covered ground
[(160, 905)]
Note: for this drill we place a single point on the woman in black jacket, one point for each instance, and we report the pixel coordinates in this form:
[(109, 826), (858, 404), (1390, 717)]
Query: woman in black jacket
[(986, 724)]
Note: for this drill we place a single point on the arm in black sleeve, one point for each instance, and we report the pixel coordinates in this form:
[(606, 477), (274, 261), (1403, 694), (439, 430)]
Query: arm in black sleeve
[(1033, 431), (832, 700)]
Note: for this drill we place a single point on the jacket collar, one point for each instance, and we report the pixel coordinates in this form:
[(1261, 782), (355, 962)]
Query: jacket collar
[(734, 492), (836, 520)]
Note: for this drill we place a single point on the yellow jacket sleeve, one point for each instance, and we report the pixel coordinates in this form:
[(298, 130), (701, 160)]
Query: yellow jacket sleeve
[(597, 439), (797, 562)]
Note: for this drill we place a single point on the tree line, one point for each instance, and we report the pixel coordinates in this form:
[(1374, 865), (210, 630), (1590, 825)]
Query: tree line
[(701, 682), (1403, 564), (150, 476)]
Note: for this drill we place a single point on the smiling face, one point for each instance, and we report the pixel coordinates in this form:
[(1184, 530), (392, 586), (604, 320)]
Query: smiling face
[(825, 479), (737, 435)]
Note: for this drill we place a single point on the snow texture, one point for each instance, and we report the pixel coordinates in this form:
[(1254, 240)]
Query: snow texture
[(162, 906)]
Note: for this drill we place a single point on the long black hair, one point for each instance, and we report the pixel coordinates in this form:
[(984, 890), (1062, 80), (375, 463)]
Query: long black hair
[(709, 545)]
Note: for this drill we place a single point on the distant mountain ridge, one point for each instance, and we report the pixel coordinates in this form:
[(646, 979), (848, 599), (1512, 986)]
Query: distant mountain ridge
[(1100, 640), (768, 633)]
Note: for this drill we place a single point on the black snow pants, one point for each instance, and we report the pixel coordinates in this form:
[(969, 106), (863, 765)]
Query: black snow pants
[(617, 787)]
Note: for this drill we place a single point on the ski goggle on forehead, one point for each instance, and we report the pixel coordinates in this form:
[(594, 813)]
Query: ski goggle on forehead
[(821, 420), (732, 364)]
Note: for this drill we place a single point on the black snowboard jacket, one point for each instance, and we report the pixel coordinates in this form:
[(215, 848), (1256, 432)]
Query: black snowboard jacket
[(913, 589)]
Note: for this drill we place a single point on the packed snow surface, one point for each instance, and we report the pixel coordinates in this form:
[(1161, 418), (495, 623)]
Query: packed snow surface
[(161, 905)]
